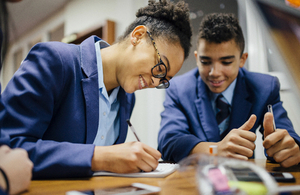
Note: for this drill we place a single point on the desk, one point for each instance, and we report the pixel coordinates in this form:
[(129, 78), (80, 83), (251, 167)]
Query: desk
[(172, 184)]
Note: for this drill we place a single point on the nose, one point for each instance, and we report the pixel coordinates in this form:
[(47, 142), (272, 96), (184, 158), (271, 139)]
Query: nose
[(155, 81), (215, 70)]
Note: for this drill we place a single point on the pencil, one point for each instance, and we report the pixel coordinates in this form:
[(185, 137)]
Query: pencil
[(132, 129), (270, 109)]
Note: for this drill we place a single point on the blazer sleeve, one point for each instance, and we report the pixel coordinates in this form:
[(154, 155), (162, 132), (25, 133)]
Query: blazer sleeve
[(281, 118), (175, 139), (2, 192), (4, 137), (30, 99)]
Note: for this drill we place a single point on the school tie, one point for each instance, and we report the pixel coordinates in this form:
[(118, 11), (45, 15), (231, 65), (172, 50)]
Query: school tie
[(223, 113)]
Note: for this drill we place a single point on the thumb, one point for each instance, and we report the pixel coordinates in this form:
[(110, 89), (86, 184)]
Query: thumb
[(249, 123), (268, 124)]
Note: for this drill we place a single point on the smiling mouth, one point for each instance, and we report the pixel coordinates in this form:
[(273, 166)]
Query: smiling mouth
[(217, 83), (142, 83)]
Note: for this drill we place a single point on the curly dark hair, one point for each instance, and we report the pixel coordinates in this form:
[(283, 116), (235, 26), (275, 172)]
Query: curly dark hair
[(221, 27), (165, 20)]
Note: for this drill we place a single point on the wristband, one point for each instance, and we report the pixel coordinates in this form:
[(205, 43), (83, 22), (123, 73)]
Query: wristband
[(6, 180)]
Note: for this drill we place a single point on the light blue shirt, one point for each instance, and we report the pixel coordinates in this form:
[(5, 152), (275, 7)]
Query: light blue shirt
[(228, 95), (109, 120)]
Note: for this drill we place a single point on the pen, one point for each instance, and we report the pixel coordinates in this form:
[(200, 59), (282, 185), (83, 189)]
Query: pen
[(132, 129), (270, 109)]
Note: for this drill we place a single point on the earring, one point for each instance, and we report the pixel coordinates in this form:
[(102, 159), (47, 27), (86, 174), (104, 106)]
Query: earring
[(134, 42)]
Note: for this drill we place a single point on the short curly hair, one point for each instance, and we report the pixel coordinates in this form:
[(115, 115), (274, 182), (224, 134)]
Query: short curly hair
[(165, 20), (221, 27)]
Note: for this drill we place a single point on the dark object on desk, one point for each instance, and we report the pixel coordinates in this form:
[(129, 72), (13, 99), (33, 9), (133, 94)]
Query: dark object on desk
[(294, 168), (283, 177), (167, 161), (249, 175)]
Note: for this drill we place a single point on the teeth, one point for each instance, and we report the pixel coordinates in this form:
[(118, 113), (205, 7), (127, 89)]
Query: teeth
[(142, 81)]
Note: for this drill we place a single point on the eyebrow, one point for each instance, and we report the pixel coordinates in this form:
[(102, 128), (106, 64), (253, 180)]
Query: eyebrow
[(204, 57), (222, 58), (168, 64), (227, 57)]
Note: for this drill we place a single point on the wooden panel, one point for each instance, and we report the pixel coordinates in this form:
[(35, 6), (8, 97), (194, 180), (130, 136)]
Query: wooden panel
[(105, 32), (289, 46), (108, 32)]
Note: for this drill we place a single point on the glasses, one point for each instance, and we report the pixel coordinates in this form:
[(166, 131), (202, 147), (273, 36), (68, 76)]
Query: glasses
[(160, 69)]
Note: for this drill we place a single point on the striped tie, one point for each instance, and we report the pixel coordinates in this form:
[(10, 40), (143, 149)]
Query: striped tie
[(223, 113)]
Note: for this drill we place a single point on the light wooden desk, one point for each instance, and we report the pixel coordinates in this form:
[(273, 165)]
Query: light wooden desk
[(172, 184)]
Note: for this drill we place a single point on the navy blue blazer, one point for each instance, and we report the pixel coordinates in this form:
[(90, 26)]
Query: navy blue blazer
[(52, 108), (4, 138), (188, 118)]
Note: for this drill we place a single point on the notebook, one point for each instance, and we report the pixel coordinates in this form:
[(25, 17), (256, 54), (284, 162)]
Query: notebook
[(162, 170)]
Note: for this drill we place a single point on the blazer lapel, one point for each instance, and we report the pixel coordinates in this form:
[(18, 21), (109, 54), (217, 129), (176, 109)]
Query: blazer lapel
[(123, 112), (241, 106), (206, 115), (91, 94), (90, 87)]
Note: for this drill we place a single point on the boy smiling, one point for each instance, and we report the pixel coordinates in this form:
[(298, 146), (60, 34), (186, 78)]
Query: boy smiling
[(221, 103)]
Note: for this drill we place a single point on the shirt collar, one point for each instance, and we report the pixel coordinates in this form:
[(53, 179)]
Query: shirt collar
[(112, 98), (228, 93)]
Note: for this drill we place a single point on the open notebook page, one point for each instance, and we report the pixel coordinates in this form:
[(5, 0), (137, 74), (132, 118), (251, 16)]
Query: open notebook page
[(162, 170)]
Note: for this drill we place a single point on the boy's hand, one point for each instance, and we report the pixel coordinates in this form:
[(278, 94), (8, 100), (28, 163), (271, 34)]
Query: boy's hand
[(239, 144), (279, 144)]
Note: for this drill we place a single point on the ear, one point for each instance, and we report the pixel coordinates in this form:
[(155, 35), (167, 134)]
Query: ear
[(196, 54), (243, 59), (137, 34), (197, 58)]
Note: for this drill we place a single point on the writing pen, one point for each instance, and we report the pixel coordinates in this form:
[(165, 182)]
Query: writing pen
[(132, 129), (270, 109)]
